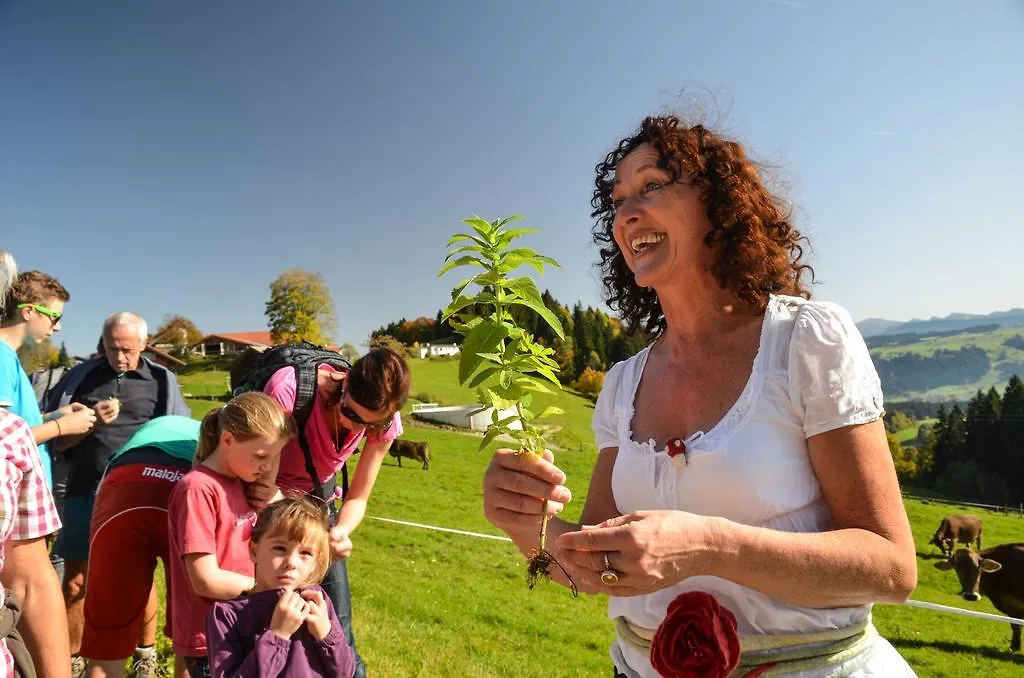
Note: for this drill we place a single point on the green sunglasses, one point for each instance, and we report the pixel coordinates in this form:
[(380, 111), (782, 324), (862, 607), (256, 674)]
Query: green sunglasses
[(54, 316)]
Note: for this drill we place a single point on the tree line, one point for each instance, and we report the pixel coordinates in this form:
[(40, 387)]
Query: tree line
[(916, 372), (973, 452)]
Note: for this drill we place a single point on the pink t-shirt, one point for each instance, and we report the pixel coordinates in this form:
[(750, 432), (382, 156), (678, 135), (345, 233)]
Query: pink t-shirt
[(328, 457), (206, 513)]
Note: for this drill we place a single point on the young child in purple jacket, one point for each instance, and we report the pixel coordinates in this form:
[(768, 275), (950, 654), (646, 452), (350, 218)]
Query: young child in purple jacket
[(286, 626)]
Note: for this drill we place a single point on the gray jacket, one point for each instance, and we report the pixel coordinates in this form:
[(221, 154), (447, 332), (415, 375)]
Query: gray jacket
[(61, 394)]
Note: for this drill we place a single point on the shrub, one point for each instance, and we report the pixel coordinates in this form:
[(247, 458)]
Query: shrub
[(589, 383), (387, 341)]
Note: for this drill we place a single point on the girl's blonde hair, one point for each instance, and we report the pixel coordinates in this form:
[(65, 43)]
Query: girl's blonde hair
[(246, 416), (296, 518)]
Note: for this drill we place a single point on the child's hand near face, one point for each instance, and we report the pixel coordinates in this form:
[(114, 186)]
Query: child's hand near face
[(317, 621), (289, 614)]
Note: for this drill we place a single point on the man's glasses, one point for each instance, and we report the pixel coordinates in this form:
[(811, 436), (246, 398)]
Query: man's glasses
[(54, 316), (376, 428)]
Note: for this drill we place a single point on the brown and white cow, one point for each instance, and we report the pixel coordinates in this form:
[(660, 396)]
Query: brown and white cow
[(999, 573), (957, 529), (411, 449)]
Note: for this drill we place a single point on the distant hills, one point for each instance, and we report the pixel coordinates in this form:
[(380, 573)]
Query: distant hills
[(944, 359), (954, 321)]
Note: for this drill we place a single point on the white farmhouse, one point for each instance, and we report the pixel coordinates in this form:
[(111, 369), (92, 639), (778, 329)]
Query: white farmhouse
[(434, 350)]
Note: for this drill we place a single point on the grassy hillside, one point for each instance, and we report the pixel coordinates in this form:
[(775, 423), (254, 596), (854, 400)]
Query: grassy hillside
[(1006, 360)]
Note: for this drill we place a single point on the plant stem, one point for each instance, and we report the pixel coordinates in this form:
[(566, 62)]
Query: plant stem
[(544, 526)]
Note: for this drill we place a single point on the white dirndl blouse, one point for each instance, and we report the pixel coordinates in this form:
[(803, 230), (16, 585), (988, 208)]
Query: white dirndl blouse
[(812, 374)]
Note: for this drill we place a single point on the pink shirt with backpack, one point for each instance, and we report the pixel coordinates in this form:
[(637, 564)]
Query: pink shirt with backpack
[(328, 454)]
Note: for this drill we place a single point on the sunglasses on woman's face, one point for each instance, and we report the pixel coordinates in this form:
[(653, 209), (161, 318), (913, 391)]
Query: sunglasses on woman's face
[(375, 428)]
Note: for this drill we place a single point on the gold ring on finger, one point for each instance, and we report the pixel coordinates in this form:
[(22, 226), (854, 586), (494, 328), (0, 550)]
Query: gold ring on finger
[(609, 576)]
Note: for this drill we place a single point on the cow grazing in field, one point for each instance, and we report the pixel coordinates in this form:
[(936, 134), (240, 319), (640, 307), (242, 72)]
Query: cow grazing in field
[(411, 449), (957, 529), (999, 573)]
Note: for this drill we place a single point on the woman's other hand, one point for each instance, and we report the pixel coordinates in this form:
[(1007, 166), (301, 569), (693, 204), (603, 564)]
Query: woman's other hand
[(341, 545), (649, 550), (515, 486)]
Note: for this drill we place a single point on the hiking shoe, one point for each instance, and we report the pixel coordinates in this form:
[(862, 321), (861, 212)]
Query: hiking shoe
[(145, 666), (77, 666)]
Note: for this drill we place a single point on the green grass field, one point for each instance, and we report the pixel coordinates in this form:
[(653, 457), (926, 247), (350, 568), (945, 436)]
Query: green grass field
[(429, 603), (910, 433)]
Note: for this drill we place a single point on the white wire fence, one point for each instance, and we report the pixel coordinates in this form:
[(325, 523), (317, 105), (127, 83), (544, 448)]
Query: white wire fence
[(910, 603)]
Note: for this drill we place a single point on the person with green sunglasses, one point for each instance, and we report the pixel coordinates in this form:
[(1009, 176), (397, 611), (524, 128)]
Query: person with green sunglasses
[(31, 315)]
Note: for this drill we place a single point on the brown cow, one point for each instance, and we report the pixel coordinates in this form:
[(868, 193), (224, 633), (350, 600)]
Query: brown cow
[(999, 571), (412, 450), (957, 529)]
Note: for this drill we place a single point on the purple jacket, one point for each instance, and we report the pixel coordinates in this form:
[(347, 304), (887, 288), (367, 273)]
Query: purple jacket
[(240, 643)]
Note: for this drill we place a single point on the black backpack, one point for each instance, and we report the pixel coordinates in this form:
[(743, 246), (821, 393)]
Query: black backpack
[(253, 371)]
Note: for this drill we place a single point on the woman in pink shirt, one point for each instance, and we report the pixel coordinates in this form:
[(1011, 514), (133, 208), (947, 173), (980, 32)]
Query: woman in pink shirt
[(348, 407)]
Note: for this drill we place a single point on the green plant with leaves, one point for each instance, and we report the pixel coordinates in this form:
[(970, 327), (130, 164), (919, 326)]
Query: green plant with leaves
[(500, 360)]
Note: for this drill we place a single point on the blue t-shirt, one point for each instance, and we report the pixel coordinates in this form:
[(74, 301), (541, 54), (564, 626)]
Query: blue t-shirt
[(16, 388)]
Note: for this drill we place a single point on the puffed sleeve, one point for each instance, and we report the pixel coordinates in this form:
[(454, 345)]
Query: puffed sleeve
[(832, 381), (605, 422)]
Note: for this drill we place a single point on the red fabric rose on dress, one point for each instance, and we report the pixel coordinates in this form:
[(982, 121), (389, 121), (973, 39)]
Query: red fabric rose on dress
[(697, 638)]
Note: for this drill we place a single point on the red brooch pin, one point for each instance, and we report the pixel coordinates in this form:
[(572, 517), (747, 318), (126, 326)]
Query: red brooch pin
[(677, 452)]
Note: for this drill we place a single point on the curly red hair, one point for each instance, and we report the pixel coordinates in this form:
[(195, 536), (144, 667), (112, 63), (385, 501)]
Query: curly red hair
[(757, 251)]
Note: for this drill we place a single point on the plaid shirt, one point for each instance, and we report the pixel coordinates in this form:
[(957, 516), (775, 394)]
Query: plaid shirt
[(26, 505)]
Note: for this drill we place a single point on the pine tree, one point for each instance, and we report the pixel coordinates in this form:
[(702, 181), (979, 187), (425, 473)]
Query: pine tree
[(982, 437), (950, 431), (1011, 437), (63, 359)]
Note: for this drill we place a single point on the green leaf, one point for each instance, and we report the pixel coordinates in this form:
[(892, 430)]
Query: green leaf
[(457, 305), (491, 278), (484, 338), (526, 257), (511, 234), (462, 261), (493, 357), (549, 375), (484, 228), (528, 253), (467, 248), (482, 376), (534, 385), (550, 410), (459, 237), (507, 420), (461, 286), (462, 328), (544, 312), (489, 437), (487, 395), (506, 220)]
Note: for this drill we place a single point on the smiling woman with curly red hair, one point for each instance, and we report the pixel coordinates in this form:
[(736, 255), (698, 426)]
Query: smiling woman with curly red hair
[(744, 513), (757, 251)]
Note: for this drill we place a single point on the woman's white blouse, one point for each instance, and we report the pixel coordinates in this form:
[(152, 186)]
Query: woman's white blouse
[(812, 374)]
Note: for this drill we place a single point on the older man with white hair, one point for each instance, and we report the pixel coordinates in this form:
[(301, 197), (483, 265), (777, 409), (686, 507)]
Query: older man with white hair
[(126, 390)]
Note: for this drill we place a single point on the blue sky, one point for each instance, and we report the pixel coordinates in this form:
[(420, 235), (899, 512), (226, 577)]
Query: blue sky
[(176, 157)]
